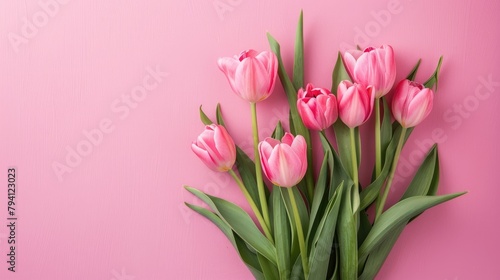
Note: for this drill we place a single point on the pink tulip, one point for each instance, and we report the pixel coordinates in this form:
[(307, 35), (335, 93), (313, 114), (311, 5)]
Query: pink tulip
[(411, 103), (355, 103), (372, 67), (285, 162), (317, 107), (215, 148), (252, 75)]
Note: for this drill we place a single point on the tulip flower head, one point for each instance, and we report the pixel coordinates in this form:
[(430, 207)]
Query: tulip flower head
[(284, 163), (412, 103), (372, 66), (317, 107), (252, 75), (355, 103), (215, 148)]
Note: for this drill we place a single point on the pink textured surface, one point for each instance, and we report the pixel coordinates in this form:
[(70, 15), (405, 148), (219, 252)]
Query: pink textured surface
[(120, 212)]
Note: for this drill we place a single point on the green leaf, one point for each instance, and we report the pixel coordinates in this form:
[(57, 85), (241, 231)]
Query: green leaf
[(297, 272), (432, 82), (346, 231), (298, 63), (339, 74), (397, 215), (270, 271), (219, 115), (338, 174), (377, 258), (422, 180), (435, 179), (343, 137), (414, 71), (278, 132), (385, 129), (244, 226), (248, 257), (282, 234), (364, 226), (240, 222), (372, 191), (321, 249), (246, 169), (204, 119), (320, 200), (289, 88), (301, 207), (334, 271)]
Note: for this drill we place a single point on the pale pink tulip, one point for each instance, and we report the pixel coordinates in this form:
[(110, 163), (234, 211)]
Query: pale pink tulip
[(412, 103), (372, 67), (215, 148), (252, 75), (355, 103), (285, 162), (317, 107)]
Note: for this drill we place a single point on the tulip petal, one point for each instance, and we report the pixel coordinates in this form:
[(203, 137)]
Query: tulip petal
[(252, 81), (270, 63), (204, 156), (228, 66)]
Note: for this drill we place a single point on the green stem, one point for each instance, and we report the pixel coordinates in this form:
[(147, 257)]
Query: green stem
[(354, 159), (355, 176), (378, 145), (258, 167), (252, 205), (380, 206), (300, 234)]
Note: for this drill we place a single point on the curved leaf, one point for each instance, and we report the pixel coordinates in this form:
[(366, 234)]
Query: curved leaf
[(240, 222), (397, 215)]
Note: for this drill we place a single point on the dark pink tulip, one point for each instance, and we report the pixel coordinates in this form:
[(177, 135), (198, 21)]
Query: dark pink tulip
[(317, 107)]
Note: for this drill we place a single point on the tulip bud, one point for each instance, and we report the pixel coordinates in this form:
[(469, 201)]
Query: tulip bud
[(355, 103), (215, 148), (252, 75), (317, 107), (412, 103), (285, 162), (372, 67)]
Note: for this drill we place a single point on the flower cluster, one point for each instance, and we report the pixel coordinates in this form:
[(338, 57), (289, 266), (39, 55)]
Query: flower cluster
[(301, 215)]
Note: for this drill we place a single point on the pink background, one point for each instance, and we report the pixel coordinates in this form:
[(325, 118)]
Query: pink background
[(119, 213)]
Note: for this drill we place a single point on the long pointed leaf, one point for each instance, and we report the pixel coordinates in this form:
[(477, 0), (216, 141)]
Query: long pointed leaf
[(414, 71), (240, 222), (248, 257), (346, 232), (298, 63), (432, 82), (282, 235), (322, 246), (397, 215)]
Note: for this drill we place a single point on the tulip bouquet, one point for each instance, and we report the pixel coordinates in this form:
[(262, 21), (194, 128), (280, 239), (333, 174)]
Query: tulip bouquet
[(309, 227)]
